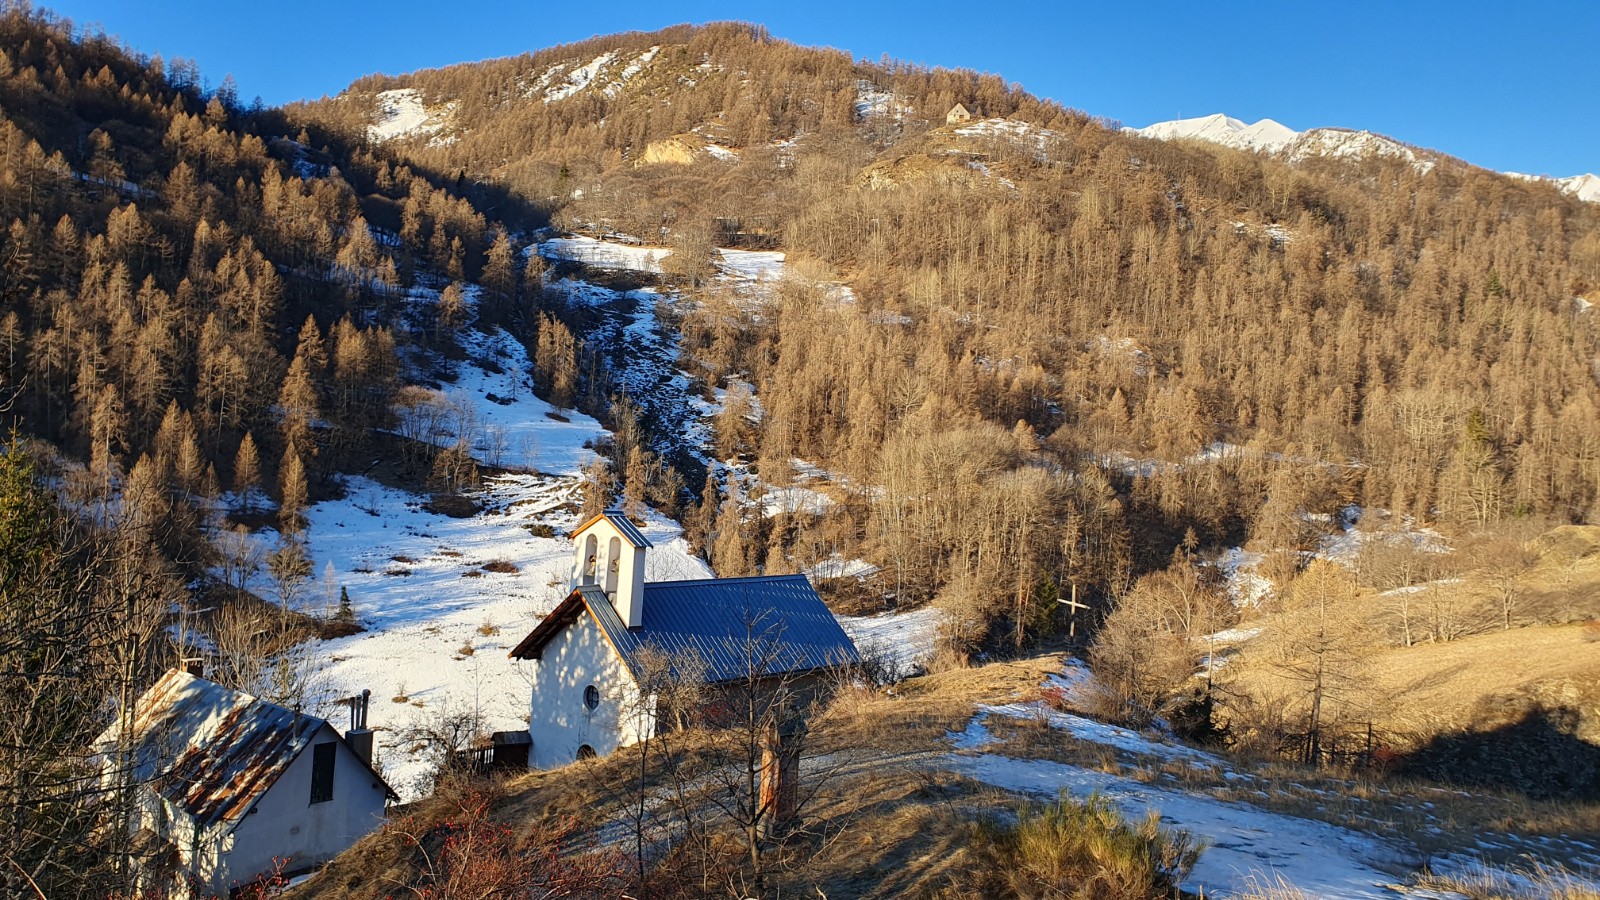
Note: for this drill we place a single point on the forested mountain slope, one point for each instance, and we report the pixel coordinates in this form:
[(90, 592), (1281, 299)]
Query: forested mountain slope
[(1012, 358), (1415, 338), (197, 301)]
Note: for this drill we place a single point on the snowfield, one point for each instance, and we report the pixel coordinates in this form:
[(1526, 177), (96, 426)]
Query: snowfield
[(565, 79), (508, 425), (401, 113), (873, 101), (742, 268), (907, 638), (605, 254)]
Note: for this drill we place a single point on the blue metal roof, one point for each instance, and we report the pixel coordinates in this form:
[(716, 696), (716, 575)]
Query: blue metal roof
[(738, 627)]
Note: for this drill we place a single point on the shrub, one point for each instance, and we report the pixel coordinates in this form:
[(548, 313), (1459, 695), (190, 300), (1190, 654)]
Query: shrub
[(1084, 849), (504, 567)]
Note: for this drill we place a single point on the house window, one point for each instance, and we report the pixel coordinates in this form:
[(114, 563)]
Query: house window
[(322, 756), (591, 696), (585, 752)]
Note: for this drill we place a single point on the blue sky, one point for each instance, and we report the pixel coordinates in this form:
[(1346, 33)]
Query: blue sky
[(1507, 86)]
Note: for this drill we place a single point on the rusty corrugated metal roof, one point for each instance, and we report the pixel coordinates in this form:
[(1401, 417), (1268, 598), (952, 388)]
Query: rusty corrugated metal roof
[(210, 750)]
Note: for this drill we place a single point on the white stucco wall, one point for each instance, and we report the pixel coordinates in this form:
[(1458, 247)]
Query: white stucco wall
[(559, 722), (287, 825)]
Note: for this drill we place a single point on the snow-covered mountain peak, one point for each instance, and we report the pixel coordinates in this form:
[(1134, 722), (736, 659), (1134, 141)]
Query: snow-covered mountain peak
[(1298, 146), (1584, 187), (1273, 137), (1222, 129)]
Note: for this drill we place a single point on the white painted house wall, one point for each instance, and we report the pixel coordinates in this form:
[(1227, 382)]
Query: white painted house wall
[(286, 824), (559, 721)]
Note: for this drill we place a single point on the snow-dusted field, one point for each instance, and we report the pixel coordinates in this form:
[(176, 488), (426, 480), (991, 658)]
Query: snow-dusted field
[(907, 637), (440, 621), (605, 254), (509, 426), (1246, 847), (735, 266)]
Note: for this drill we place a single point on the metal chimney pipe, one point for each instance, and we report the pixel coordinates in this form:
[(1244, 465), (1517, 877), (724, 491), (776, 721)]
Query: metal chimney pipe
[(359, 737)]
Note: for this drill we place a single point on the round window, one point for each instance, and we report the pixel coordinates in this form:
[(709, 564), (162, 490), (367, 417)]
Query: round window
[(591, 696)]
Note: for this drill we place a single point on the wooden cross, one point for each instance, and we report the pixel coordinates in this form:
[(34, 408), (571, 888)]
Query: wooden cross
[(1073, 606)]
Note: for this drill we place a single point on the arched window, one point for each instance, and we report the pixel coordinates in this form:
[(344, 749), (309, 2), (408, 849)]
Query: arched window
[(591, 697), (608, 578), (585, 752)]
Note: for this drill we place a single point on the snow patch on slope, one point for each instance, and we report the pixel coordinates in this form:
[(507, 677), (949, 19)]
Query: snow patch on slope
[(579, 78), (1246, 847), (401, 113), (1340, 143), (565, 79), (633, 68), (907, 638), (605, 254), (873, 101), (1023, 133), (739, 267)]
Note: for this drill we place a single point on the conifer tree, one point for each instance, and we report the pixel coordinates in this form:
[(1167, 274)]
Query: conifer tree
[(246, 473), (452, 311), (499, 269), (597, 487), (730, 555), (700, 525), (292, 494), (297, 401), (635, 484)]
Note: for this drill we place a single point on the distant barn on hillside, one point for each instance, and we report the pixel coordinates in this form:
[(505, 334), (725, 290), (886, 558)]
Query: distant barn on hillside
[(957, 115)]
